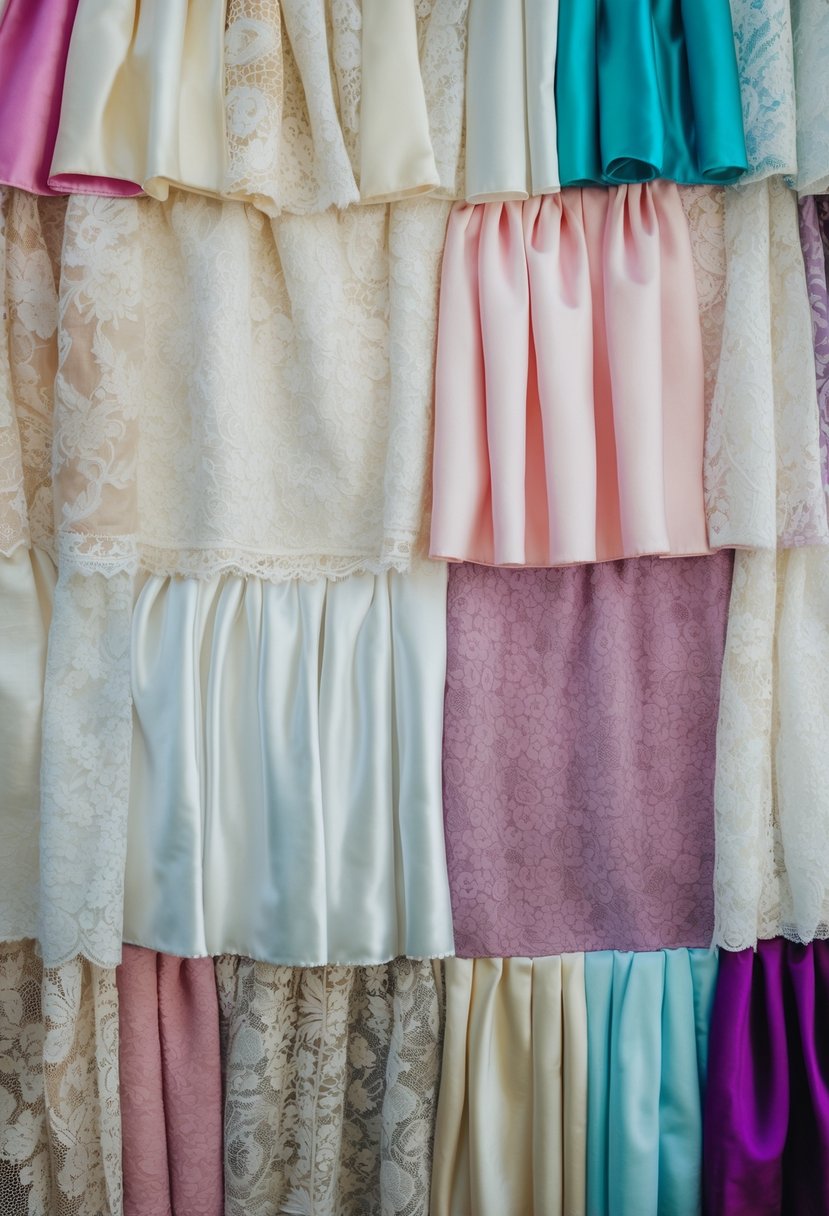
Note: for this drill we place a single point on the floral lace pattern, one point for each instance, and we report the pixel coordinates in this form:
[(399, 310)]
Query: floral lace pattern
[(763, 42), (330, 1087), (763, 480), (772, 792), (60, 1132), (705, 211), (810, 27)]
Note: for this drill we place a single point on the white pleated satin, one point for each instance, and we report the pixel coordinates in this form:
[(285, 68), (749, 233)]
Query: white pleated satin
[(27, 581), (286, 777), (511, 1134)]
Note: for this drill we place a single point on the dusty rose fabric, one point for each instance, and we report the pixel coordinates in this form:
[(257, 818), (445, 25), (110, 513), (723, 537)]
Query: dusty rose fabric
[(581, 709), (171, 1085)]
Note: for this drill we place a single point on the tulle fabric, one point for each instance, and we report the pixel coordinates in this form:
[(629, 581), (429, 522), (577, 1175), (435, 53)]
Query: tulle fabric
[(171, 1085), (285, 800), (648, 1019), (512, 1115), (767, 1103), (647, 90), (510, 100), (570, 374)]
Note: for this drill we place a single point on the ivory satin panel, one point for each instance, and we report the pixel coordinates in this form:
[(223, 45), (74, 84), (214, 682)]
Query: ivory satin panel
[(286, 772)]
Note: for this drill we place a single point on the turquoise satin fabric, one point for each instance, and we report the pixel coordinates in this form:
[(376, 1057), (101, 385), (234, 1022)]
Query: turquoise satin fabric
[(648, 89), (648, 1017)]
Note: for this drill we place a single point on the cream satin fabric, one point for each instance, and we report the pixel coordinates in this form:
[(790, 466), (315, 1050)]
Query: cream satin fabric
[(396, 157), (143, 96), (511, 1135), (286, 769), (27, 581), (510, 99)]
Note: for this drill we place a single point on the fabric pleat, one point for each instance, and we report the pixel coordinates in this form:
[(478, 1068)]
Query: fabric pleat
[(171, 1085), (648, 1019), (648, 89), (581, 708), (512, 1115), (814, 239), (570, 374), (767, 1102), (285, 800)]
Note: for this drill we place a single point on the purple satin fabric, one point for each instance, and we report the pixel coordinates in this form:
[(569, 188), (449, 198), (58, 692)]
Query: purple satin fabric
[(766, 1136), (580, 724), (814, 239)]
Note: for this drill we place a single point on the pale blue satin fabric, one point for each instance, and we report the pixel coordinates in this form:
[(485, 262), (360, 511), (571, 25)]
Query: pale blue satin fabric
[(286, 778), (648, 1017)]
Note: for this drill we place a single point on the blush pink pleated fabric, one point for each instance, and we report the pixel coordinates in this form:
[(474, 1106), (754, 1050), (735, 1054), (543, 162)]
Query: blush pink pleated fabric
[(569, 419), (171, 1085)]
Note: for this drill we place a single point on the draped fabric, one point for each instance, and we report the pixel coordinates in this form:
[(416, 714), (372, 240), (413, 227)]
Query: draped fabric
[(648, 1021), (814, 238), (772, 782), (570, 373), (285, 799), (171, 1085), (511, 148), (810, 32), (330, 1082), (673, 63), (581, 707), (765, 60), (767, 1103), (512, 1114)]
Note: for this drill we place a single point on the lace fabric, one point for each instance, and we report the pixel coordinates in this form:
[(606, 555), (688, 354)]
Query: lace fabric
[(765, 59), (60, 1132), (331, 1081), (810, 27)]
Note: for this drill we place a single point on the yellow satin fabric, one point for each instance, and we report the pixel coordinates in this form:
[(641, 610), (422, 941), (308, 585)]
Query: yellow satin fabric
[(511, 1136)]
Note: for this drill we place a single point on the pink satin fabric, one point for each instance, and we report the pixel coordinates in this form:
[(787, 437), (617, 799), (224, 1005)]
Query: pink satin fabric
[(34, 43), (569, 415), (171, 1085)]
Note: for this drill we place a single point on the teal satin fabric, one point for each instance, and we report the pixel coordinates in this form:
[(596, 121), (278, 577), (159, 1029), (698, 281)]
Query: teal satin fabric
[(648, 89), (648, 1017)]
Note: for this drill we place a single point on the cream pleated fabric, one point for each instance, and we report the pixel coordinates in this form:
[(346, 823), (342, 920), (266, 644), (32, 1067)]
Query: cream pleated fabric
[(510, 100), (512, 1114), (570, 373), (286, 770), (772, 781), (763, 483)]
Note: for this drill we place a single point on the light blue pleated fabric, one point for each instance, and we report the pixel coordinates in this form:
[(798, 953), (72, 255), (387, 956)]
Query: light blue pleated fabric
[(648, 1016)]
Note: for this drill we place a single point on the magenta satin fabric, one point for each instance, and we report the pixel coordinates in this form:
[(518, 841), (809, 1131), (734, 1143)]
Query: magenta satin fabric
[(34, 43), (569, 407), (171, 1085), (580, 722), (766, 1140)]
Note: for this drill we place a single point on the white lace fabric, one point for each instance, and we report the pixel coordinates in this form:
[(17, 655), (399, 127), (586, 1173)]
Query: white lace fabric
[(810, 28)]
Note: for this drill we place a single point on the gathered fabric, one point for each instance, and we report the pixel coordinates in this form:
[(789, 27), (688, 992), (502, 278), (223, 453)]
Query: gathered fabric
[(570, 373)]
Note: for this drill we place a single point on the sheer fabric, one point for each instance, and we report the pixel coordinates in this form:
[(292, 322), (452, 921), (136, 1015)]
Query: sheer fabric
[(814, 239), (570, 372), (512, 1115), (772, 791), (285, 800), (765, 60), (330, 1087), (581, 709), (810, 30), (59, 1103), (510, 100)]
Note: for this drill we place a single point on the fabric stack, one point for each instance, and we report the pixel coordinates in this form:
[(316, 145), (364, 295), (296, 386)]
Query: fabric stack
[(414, 607)]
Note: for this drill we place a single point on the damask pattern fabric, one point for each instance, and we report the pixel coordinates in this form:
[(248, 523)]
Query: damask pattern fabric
[(60, 1130), (814, 238), (810, 31), (570, 371), (581, 708), (331, 1079), (285, 797), (171, 1085), (512, 1116), (765, 60), (772, 784)]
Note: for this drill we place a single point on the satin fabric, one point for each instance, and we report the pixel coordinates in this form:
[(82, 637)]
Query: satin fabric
[(512, 1112), (286, 769), (648, 89), (648, 1019), (396, 156), (767, 1105), (27, 581), (510, 99), (170, 1085), (143, 99), (570, 375)]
